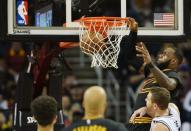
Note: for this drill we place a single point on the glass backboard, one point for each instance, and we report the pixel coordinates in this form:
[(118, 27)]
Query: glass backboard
[(47, 17)]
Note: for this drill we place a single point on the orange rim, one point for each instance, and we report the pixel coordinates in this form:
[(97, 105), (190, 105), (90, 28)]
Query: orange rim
[(102, 21), (102, 24), (105, 18), (97, 23), (68, 44)]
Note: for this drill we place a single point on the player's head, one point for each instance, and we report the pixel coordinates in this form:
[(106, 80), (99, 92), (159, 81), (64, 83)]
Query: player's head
[(44, 109), (170, 56), (157, 99), (95, 101)]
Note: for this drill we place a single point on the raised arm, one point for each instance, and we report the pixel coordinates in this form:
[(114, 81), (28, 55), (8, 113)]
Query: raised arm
[(127, 47), (162, 78)]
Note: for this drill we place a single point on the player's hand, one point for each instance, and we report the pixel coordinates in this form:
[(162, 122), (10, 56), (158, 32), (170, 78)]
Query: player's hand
[(133, 26), (143, 52), (138, 113)]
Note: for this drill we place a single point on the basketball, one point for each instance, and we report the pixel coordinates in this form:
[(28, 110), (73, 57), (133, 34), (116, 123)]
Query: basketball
[(92, 43)]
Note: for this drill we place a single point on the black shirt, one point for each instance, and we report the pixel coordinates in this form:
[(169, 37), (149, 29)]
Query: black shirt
[(127, 54), (96, 125), (151, 81)]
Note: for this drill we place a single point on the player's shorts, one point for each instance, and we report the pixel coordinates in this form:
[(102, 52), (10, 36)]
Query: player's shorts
[(138, 127), (140, 124)]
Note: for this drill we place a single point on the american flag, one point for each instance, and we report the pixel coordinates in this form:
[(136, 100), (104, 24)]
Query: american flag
[(164, 19)]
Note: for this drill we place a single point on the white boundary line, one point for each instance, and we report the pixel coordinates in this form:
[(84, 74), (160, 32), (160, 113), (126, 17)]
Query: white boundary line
[(61, 31)]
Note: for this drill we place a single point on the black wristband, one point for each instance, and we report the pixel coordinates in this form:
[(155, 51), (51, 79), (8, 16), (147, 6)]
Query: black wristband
[(150, 65)]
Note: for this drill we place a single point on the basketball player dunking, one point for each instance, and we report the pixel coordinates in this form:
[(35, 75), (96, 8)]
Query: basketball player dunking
[(162, 73)]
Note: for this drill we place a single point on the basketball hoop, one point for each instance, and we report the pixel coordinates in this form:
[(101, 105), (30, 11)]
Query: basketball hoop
[(100, 38)]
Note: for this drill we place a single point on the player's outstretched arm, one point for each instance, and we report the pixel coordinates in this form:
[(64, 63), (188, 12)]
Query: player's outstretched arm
[(162, 78), (138, 113)]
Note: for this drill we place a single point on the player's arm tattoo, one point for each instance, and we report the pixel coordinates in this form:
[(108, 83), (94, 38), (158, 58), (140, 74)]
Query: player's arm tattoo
[(163, 79)]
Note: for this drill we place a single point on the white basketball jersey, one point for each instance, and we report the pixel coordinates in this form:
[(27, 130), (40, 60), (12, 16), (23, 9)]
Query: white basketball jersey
[(172, 121)]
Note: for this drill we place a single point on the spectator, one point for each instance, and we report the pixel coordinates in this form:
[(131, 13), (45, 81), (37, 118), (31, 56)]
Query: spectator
[(2, 120), (67, 83), (76, 112), (3, 103), (7, 82), (76, 93), (15, 59), (66, 106), (185, 98)]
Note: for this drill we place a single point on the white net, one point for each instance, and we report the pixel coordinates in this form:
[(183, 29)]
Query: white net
[(97, 40)]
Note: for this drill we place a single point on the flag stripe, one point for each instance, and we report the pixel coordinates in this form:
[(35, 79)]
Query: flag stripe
[(163, 22), (163, 19)]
